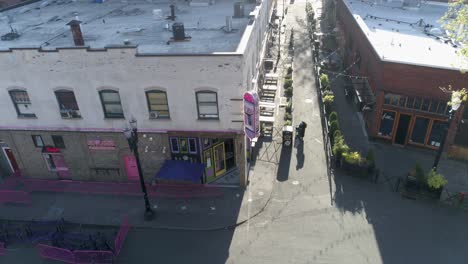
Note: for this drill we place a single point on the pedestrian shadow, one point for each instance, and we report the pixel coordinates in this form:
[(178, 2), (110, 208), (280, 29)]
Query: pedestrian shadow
[(283, 167), (300, 156)]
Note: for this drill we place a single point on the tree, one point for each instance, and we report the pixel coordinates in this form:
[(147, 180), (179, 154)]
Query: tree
[(455, 21)]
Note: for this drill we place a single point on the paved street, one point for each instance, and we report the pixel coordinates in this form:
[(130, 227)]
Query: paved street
[(310, 217)]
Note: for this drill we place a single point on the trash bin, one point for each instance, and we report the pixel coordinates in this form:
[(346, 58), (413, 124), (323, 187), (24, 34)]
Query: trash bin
[(287, 136)]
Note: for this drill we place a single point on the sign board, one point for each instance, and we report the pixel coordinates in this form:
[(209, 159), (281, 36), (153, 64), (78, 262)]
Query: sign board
[(251, 114), (101, 144)]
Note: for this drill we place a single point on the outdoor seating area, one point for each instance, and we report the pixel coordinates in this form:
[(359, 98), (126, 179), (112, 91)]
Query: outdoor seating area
[(267, 103)]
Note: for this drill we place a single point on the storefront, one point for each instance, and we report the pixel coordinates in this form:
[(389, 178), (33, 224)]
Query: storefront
[(413, 120), (217, 154)]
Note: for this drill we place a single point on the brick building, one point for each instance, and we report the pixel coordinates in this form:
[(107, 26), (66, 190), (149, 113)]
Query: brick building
[(74, 72), (398, 51)]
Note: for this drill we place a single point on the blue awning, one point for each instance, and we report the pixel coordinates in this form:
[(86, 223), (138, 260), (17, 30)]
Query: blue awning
[(179, 170)]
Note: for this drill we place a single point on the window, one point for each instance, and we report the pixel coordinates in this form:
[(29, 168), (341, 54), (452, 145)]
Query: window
[(174, 144), (437, 133), (441, 110), (386, 124), (417, 103), (58, 141), (419, 130), (157, 104), (207, 105), (67, 103), (22, 103), (37, 139), (192, 145), (425, 105), (183, 145), (402, 101), (433, 107), (111, 104), (410, 102)]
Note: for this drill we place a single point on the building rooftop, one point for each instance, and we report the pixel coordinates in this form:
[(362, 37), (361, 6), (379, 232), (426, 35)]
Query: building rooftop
[(136, 22), (410, 35)]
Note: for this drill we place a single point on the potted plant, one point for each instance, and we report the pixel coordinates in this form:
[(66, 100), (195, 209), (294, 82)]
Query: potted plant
[(324, 81), (339, 147), (287, 83), (435, 182), (334, 125), (352, 161), (332, 117)]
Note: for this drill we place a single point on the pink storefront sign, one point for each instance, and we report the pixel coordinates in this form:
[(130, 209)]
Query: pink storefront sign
[(131, 167), (251, 114), (101, 144)]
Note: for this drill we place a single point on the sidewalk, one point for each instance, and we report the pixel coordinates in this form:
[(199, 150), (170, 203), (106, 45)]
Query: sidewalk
[(234, 207)]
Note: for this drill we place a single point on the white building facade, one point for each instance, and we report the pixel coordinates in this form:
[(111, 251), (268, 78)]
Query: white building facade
[(64, 108)]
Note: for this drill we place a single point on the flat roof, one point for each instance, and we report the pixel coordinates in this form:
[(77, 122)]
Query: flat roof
[(397, 33), (43, 24)]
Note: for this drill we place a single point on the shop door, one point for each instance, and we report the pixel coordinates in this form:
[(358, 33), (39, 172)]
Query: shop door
[(402, 130), (12, 161), (131, 167), (209, 169), (61, 166), (219, 159)]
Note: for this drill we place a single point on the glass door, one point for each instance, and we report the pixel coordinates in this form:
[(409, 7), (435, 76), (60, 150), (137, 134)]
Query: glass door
[(209, 166), (219, 159)]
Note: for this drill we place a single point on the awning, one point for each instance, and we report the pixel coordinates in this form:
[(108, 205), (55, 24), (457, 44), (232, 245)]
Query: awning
[(179, 170)]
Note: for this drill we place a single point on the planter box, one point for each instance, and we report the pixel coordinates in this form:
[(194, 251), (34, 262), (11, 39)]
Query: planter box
[(415, 189)]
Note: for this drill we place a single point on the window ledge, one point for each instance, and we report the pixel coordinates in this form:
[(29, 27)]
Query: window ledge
[(160, 118), (27, 117), (208, 119), (111, 118), (72, 118)]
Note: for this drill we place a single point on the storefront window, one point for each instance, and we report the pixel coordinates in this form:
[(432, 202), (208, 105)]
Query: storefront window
[(425, 105), (417, 103), (174, 145), (410, 102), (386, 123), (419, 130), (442, 106), (433, 107), (437, 132), (192, 145), (402, 101), (183, 145)]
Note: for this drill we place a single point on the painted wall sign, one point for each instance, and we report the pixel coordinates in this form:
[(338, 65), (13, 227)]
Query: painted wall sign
[(101, 144), (251, 114)]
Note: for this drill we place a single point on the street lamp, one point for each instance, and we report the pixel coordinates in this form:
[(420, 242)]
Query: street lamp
[(131, 134), (455, 104)]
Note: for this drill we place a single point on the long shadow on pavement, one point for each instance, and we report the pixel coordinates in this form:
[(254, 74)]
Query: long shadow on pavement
[(405, 231), (285, 162)]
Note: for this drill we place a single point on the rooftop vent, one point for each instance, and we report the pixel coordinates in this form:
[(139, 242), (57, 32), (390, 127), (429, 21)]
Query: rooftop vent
[(228, 27), (178, 31), (238, 10), (172, 16), (76, 32)]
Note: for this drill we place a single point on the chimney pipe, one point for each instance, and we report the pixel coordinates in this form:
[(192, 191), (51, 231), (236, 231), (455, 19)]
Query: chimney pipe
[(76, 32), (173, 16), (228, 24)]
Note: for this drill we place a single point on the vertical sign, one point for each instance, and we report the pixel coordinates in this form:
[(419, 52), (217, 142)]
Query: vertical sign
[(251, 114)]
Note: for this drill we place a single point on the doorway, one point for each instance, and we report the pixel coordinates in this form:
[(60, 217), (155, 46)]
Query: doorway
[(11, 161), (402, 129)]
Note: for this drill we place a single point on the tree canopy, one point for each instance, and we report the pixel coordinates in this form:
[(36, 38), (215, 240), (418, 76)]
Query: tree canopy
[(455, 21)]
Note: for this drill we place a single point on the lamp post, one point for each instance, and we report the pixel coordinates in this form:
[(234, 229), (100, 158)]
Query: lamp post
[(455, 104), (132, 137)]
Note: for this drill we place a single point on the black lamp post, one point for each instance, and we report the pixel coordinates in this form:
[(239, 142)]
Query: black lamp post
[(455, 104), (132, 137)]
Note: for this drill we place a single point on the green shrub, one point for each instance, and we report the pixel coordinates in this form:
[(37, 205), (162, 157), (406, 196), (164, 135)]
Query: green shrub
[(336, 134), (339, 146), (287, 122), (289, 71), (327, 92), (418, 173), (328, 99), (334, 126), (324, 81), (288, 77), (288, 92), (435, 180), (287, 116), (352, 157), (333, 116), (370, 158), (289, 107), (287, 83)]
